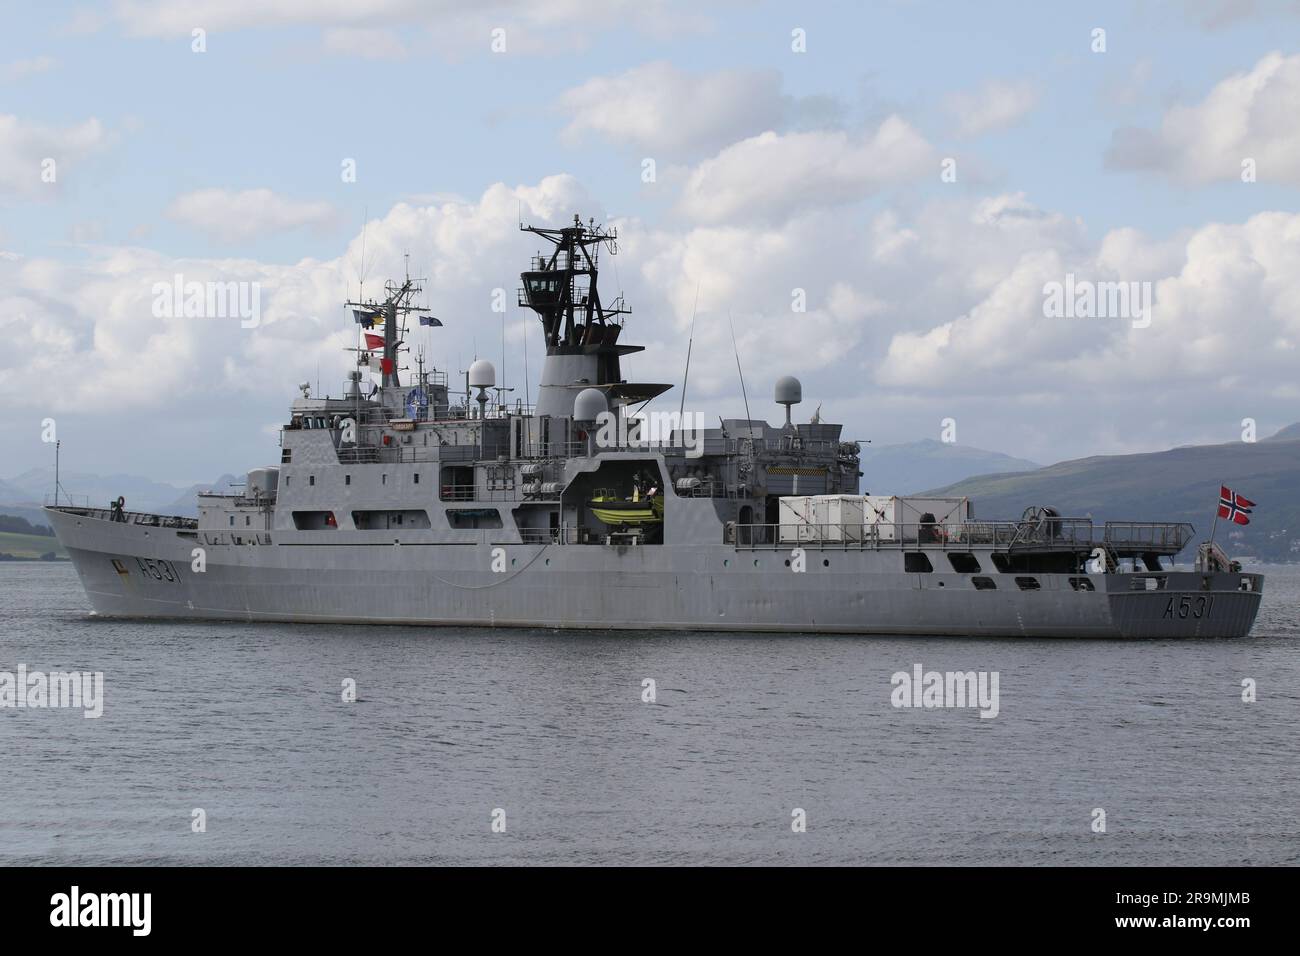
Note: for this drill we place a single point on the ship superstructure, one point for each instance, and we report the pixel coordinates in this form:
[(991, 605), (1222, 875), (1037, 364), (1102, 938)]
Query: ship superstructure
[(420, 502)]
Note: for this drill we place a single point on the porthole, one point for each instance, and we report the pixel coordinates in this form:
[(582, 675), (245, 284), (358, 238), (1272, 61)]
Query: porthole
[(726, 562), (826, 562)]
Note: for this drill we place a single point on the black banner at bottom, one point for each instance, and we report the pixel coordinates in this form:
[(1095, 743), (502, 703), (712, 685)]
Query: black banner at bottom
[(337, 905)]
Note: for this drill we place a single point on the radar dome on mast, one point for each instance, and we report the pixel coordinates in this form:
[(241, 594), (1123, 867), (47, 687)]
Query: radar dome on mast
[(788, 392), (589, 405), (482, 374)]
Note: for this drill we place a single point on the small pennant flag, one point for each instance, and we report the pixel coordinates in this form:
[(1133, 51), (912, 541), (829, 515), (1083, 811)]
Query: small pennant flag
[(430, 320), (1233, 506), (374, 341)]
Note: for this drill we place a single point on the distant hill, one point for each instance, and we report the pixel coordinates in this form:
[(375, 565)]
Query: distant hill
[(24, 494), (17, 524), (1181, 484), (29, 547), (1286, 434), (908, 468), (12, 493), (32, 515), (144, 494)]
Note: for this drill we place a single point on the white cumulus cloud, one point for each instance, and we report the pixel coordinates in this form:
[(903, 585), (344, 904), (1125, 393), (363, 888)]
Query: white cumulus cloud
[(1248, 115), (994, 106), (658, 106), (231, 216), (27, 149), (773, 175)]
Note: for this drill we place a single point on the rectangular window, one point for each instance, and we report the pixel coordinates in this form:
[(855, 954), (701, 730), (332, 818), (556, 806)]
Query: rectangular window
[(311, 479), (984, 584), (963, 562), (384, 520), (457, 483), (474, 517), (347, 479), (917, 564), (1028, 584), (232, 521), (314, 521), (417, 477), (248, 520), (383, 479)]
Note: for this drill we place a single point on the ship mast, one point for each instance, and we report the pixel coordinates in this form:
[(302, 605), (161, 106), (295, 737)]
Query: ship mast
[(399, 302), (561, 288), (582, 335)]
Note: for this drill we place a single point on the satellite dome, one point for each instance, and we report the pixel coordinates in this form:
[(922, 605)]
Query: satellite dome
[(482, 374), (589, 405), (788, 390)]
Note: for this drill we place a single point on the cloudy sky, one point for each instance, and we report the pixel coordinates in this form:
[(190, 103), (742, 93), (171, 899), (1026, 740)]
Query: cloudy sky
[(915, 172)]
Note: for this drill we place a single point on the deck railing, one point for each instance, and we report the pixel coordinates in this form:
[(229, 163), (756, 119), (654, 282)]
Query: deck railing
[(1053, 534), (134, 517)]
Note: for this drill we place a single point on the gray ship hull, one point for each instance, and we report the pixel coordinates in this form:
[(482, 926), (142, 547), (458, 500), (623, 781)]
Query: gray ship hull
[(134, 570)]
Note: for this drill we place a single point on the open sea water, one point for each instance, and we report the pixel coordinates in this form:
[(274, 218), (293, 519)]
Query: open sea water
[(547, 731)]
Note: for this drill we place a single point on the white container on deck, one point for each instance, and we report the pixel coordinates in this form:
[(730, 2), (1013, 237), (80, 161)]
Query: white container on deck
[(838, 517), (798, 519), (820, 518), (895, 518)]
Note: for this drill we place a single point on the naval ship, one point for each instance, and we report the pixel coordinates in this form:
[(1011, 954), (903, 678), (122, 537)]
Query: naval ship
[(413, 502)]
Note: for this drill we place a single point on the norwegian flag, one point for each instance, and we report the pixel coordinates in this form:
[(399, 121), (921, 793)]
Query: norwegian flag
[(1233, 506)]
